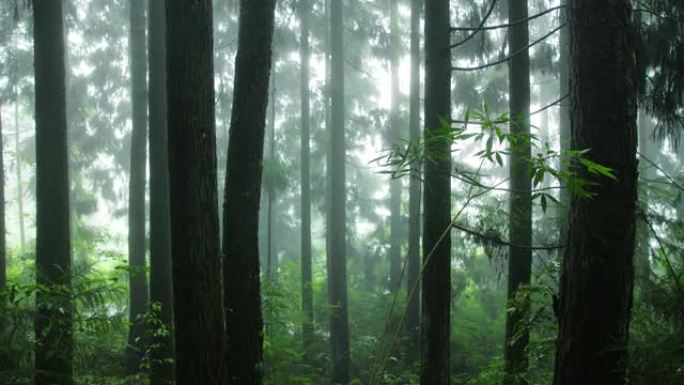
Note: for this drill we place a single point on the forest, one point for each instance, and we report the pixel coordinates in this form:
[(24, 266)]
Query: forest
[(342, 192)]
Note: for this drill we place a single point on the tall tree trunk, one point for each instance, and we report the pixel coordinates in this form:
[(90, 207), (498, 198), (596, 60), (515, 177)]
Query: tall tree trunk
[(436, 278), (392, 137), (270, 196), (17, 150), (54, 305), (137, 275), (564, 120), (337, 259), (195, 243), (307, 289), (3, 229), (414, 265), (597, 273), (161, 291), (642, 262), (520, 208), (244, 322)]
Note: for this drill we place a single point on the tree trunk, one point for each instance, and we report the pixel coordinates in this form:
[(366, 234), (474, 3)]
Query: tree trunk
[(244, 322), (54, 305), (3, 229), (597, 272), (564, 120), (195, 244), (414, 266), (520, 208), (646, 148), (17, 151), (436, 278), (392, 137), (270, 196), (307, 289), (137, 275), (337, 259), (161, 365)]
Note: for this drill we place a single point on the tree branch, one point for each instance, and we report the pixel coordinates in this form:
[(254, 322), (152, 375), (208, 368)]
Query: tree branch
[(511, 24), (514, 54), (501, 242), (477, 29)]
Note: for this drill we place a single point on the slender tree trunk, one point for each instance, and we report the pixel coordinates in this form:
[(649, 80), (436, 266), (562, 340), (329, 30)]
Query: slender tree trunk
[(244, 322), (520, 209), (564, 119), (643, 236), (392, 137), (307, 289), (328, 128), (3, 229), (414, 265), (597, 273), (54, 305), (195, 242), (436, 278), (270, 196), (137, 275), (337, 262), (161, 291), (17, 151)]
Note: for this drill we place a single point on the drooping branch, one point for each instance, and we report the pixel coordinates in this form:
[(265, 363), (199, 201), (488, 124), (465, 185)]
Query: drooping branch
[(535, 112), (507, 25), (511, 56), (478, 28)]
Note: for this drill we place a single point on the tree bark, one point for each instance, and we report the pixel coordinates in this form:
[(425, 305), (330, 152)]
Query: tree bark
[(161, 291), (597, 273), (137, 275), (54, 305), (337, 259), (195, 244), (244, 322), (436, 278), (520, 207), (414, 265), (392, 137), (307, 289)]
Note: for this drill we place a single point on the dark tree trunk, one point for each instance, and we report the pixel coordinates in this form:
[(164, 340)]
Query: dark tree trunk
[(244, 322), (54, 305), (436, 278), (520, 208), (161, 366), (414, 265), (137, 275), (597, 273), (195, 244), (307, 289), (393, 135), (337, 259), (564, 119), (3, 248)]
